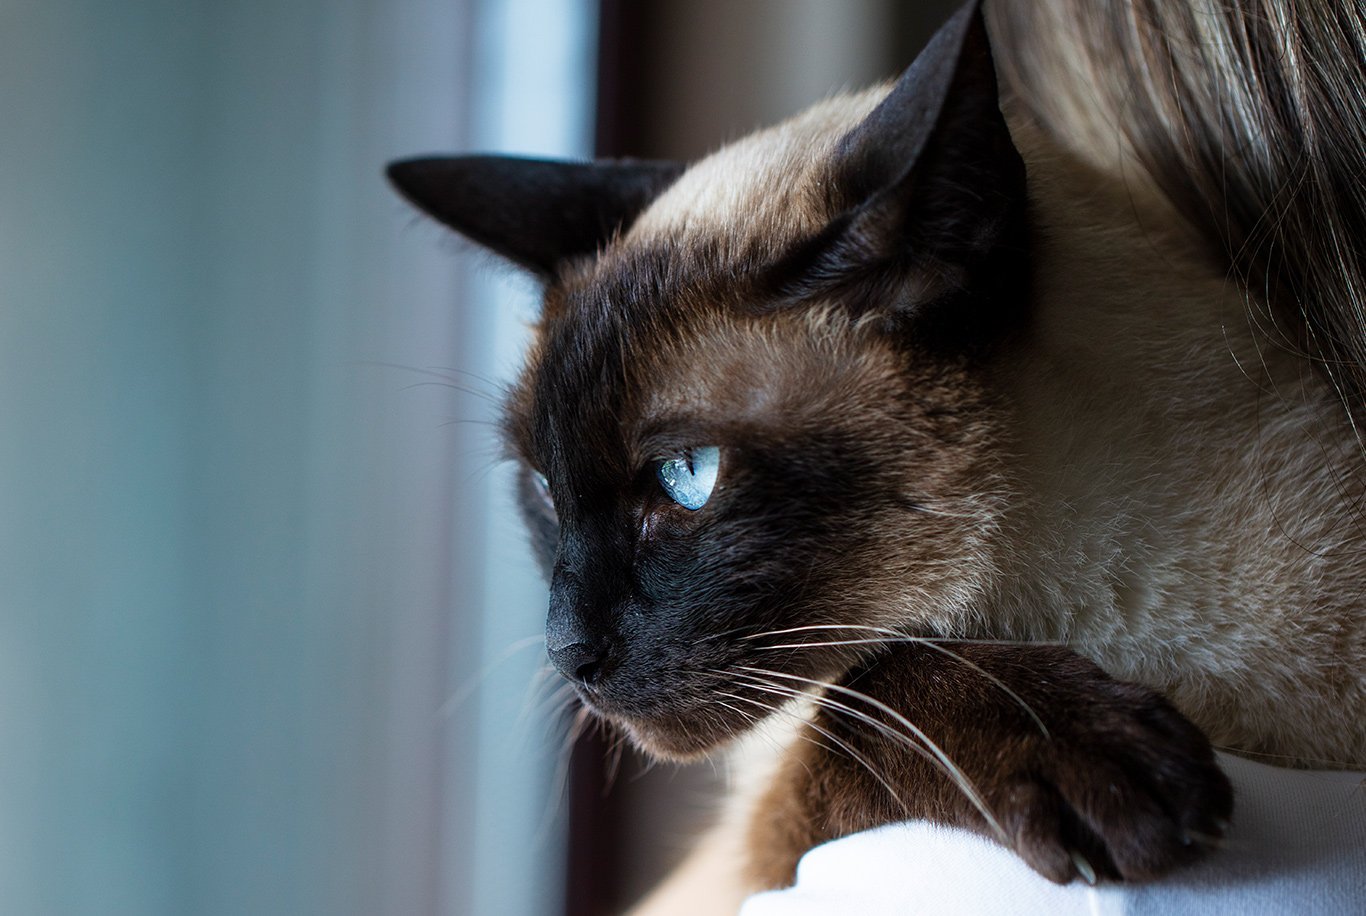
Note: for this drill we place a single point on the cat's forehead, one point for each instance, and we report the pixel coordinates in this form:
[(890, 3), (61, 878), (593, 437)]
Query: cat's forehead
[(624, 373), (767, 188)]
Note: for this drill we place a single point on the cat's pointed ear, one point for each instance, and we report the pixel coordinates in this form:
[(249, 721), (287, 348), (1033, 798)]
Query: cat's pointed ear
[(538, 213), (930, 187)]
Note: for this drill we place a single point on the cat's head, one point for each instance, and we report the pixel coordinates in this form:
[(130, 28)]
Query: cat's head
[(750, 427)]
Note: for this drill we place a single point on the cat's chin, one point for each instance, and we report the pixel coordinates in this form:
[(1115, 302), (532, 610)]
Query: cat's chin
[(674, 743), (667, 744), (676, 733)]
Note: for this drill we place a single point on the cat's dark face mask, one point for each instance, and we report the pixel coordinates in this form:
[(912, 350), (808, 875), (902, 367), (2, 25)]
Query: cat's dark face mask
[(723, 444), (713, 553)]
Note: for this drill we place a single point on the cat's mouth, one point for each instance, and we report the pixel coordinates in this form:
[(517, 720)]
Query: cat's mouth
[(691, 698)]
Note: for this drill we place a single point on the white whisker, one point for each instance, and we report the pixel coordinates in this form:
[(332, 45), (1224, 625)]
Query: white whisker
[(935, 643), (465, 690), (559, 781), (849, 751), (952, 769)]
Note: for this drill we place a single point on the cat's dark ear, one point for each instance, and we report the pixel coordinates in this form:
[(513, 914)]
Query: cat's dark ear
[(538, 213), (929, 187)]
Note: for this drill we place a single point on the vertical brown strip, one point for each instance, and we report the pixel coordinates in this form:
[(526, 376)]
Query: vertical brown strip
[(623, 33), (592, 858)]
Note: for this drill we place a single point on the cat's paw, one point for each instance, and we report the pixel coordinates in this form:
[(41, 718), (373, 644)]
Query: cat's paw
[(1124, 788), (1085, 777)]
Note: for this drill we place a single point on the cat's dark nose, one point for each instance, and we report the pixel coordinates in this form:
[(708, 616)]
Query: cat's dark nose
[(576, 648), (579, 661)]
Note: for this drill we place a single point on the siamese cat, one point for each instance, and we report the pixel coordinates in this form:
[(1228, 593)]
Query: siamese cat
[(1005, 453)]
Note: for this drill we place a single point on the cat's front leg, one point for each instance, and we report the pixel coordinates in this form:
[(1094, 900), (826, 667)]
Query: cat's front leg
[(1080, 774)]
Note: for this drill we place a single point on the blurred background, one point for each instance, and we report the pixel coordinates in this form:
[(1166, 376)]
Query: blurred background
[(269, 633)]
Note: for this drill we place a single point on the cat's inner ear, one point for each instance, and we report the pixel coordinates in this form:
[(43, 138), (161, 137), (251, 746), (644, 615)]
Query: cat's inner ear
[(930, 180), (538, 213)]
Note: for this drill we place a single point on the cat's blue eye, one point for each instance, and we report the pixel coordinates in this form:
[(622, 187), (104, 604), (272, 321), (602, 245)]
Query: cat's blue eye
[(689, 478)]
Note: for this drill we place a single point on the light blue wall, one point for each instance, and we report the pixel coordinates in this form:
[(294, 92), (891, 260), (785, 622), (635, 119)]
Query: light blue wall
[(244, 563), (97, 204)]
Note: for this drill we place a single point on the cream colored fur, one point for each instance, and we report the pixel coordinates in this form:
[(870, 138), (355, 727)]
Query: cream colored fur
[(768, 179), (711, 879)]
